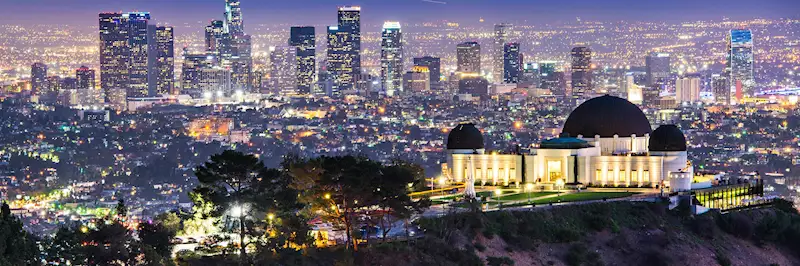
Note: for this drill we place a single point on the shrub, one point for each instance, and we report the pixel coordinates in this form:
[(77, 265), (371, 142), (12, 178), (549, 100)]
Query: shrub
[(736, 224), (499, 261), (772, 226), (565, 235), (722, 259), (480, 247), (703, 226), (785, 206), (655, 257), (576, 255)]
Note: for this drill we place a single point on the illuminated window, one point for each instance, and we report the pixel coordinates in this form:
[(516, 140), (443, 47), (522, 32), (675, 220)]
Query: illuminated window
[(646, 176)]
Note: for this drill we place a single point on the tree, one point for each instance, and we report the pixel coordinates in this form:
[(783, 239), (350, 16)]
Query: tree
[(228, 180), (170, 221), (17, 247), (394, 202), (110, 244), (122, 210), (66, 246), (158, 237)]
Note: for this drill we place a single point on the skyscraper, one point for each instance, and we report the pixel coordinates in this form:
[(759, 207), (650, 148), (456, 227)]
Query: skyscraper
[(434, 67), (657, 67), (581, 72), (391, 58), (339, 60), (687, 90), (512, 63), (468, 55), (38, 77), (123, 54), (304, 41), (283, 73), (161, 60), (740, 62), (349, 20), (234, 23), (203, 77), (214, 35), (502, 33), (417, 80)]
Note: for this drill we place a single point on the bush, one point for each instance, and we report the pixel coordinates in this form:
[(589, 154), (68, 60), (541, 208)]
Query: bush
[(785, 206), (772, 226), (576, 255), (499, 261), (655, 257), (703, 226), (480, 247), (736, 224), (722, 259), (565, 235)]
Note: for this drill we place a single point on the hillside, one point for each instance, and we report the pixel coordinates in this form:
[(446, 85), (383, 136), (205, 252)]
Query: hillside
[(619, 233)]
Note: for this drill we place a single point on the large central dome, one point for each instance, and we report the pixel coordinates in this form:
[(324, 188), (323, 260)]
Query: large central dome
[(607, 116)]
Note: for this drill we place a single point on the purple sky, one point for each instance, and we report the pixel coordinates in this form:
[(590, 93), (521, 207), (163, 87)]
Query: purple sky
[(84, 12)]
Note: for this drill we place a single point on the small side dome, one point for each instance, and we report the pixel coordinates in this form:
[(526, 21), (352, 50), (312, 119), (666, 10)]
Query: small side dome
[(465, 136), (667, 138)]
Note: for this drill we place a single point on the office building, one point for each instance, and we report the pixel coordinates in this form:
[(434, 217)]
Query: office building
[(512, 63), (161, 60), (502, 34), (434, 66), (530, 76), (657, 68), (475, 86), (214, 35), (739, 63), (417, 80), (85, 78), (687, 90), (283, 71), (391, 58), (721, 89), (468, 56), (581, 72), (38, 78), (233, 17), (340, 60), (304, 41), (202, 77), (349, 20), (123, 53)]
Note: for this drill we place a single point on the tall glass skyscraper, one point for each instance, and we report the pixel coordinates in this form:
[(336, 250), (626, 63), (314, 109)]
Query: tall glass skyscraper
[(468, 56), (214, 35), (233, 17), (304, 41), (740, 62), (581, 72), (502, 33), (123, 55), (391, 58), (339, 60), (349, 20), (161, 60), (512, 63), (283, 73)]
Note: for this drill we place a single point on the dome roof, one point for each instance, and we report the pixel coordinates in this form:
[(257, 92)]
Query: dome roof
[(465, 136), (606, 116), (667, 138)]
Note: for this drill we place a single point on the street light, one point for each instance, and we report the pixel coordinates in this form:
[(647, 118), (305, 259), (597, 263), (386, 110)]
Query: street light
[(529, 187), (442, 182), (327, 195)]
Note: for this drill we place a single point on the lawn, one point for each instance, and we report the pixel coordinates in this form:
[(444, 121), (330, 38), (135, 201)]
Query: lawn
[(584, 196), (523, 196)]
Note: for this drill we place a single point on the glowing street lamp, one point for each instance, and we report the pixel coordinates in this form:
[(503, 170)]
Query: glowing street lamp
[(529, 187)]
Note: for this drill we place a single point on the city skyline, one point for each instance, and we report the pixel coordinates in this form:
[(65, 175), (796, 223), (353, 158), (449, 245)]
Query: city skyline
[(467, 12)]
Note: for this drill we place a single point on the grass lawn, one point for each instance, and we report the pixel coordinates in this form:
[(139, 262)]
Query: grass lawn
[(584, 196), (523, 196)]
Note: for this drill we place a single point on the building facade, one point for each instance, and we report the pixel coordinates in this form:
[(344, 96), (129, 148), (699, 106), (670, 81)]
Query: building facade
[(391, 58), (739, 63), (512, 63), (304, 40), (502, 34), (581, 72), (468, 55)]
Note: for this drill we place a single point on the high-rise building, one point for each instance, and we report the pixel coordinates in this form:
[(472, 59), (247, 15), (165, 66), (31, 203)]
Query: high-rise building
[(233, 17), (304, 41), (340, 60), (349, 20), (468, 55), (581, 72), (215, 35), (687, 90), (556, 82), (434, 67), (123, 53), (739, 63), (417, 80), (512, 63), (547, 68), (203, 77), (161, 60), (283, 71), (502, 33), (391, 58), (85, 78), (721, 89), (38, 77), (657, 67)]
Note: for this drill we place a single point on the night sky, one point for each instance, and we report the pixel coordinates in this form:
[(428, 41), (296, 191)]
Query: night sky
[(318, 12)]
